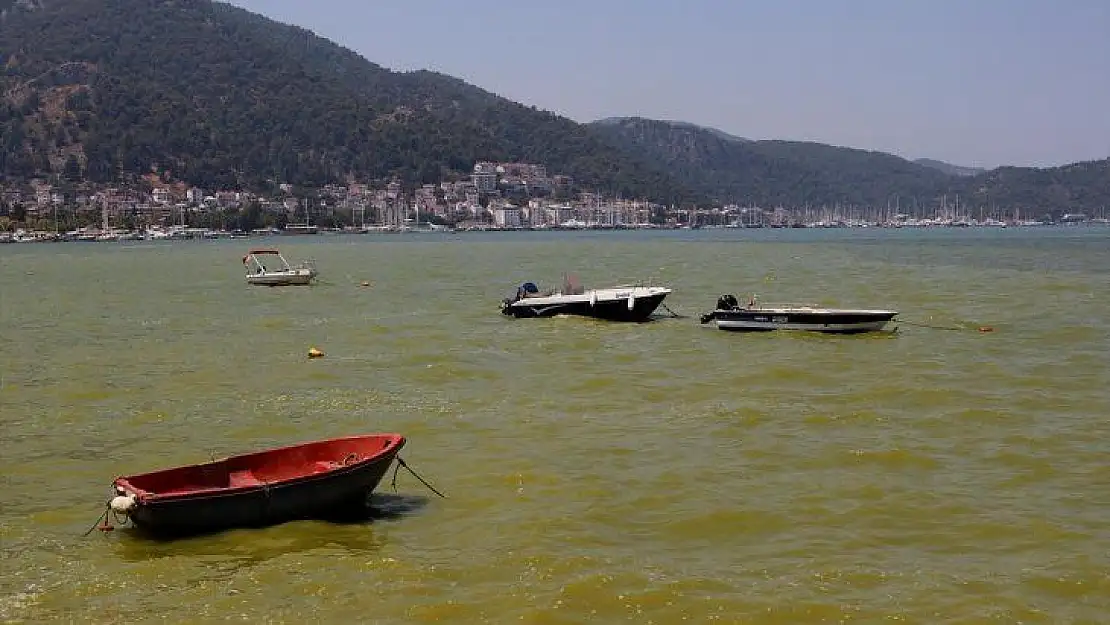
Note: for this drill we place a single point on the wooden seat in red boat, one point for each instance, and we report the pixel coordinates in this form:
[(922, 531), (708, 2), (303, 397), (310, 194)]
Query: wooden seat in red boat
[(241, 479)]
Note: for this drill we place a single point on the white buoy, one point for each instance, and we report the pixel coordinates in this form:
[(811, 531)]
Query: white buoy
[(122, 504)]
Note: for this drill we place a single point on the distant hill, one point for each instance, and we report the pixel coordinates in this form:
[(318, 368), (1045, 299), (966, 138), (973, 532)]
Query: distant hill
[(948, 168), (220, 97), (793, 173), (215, 96), (1076, 188), (773, 173), (618, 121)]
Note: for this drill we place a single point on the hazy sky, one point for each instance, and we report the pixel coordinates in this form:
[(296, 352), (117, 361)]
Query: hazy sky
[(973, 82)]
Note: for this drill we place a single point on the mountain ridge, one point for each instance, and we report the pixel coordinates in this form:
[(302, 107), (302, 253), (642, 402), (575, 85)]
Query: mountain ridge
[(799, 173), (774, 172), (220, 97), (949, 168), (617, 120), (956, 170)]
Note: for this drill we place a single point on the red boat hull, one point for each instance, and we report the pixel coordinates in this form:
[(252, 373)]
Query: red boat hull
[(309, 480)]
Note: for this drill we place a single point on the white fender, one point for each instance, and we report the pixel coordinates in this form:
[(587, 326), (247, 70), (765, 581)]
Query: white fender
[(123, 504), (631, 301), (593, 299)]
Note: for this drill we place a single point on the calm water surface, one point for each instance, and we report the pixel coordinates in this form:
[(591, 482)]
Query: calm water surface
[(648, 473)]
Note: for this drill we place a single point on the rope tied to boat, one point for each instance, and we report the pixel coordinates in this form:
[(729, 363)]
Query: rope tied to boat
[(118, 509), (104, 527), (401, 463), (673, 313), (981, 329)]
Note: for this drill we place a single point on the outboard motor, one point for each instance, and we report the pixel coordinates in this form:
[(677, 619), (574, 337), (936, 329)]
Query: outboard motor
[(724, 302), (522, 291)]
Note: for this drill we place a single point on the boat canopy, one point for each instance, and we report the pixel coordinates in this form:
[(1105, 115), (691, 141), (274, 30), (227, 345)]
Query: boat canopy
[(259, 252)]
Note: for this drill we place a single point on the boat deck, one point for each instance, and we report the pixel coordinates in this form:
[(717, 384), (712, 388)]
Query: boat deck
[(246, 478)]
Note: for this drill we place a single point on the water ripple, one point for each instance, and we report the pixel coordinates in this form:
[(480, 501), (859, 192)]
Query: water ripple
[(647, 473)]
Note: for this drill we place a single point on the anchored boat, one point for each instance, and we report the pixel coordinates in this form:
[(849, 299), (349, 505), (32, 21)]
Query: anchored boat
[(758, 317), (307, 480), (283, 275), (620, 303)]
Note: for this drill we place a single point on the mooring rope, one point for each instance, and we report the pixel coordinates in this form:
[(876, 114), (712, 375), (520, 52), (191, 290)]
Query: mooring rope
[(401, 463), (103, 517), (949, 328), (673, 313)]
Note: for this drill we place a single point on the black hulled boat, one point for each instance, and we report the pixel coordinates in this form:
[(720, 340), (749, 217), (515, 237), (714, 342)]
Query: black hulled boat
[(759, 317)]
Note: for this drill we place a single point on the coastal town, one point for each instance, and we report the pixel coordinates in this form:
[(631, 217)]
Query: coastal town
[(495, 196)]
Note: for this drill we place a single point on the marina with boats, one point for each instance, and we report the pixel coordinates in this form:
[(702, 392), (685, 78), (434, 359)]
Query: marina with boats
[(595, 220), (185, 234)]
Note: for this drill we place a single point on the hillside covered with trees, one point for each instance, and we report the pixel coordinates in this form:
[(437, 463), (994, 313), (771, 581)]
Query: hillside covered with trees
[(792, 174), (218, 97)]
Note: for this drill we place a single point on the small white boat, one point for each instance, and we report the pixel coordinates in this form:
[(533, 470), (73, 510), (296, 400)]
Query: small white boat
[(758, 317), (620, 303), (283, 275)]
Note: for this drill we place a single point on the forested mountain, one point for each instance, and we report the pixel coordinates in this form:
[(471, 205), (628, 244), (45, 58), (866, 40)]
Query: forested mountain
[(771, 173), (619, 121), (949, 168), (218, 97), (1076, 188), (221, 97), (792, 174)]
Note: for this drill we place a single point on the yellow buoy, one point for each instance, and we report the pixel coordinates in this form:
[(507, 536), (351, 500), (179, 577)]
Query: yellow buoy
[(315, 353)]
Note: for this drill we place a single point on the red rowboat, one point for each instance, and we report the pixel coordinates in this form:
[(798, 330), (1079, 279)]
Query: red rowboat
[(308, 480)]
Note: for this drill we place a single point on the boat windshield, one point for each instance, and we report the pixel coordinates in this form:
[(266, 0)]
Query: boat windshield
[(572, 285), (268, 262)]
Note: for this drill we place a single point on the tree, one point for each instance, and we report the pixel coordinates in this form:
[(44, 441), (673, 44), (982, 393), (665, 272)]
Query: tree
[(250, 217), (72, 169)]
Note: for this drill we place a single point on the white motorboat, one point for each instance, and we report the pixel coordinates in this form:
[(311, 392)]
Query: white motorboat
[(283, 274), (619, 303)]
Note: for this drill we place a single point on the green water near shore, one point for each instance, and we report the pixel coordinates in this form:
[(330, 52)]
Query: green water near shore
[(595, 472)]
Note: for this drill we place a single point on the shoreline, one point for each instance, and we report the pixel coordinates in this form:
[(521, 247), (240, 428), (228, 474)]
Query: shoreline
[(185, 234)]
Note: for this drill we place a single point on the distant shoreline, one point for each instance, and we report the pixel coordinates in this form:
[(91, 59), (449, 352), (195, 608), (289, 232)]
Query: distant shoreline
[(92, 235)]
